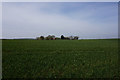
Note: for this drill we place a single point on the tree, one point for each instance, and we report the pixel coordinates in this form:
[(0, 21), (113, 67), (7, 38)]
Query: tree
[(46, 38), (67, 38), (57, 38), (62, 37), (38, 38), (76, 37), (71, 37), (42, 37)]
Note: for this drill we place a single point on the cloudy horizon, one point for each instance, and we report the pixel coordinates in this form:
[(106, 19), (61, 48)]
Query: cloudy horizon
[(83, 19)]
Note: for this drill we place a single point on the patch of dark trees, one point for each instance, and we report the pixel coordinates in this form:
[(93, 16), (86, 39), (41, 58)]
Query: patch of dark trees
[(52, 37)]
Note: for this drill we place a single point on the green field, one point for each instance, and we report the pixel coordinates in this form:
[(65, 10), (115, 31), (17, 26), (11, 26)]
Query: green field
[(60, 58)]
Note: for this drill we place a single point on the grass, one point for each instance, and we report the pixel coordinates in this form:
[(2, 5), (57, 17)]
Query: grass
[(60, 58)]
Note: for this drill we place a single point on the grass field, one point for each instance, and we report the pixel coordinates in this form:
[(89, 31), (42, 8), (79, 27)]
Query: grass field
[(60, 58)]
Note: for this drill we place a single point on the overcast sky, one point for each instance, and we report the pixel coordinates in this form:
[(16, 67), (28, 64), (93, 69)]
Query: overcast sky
[(86, 20)]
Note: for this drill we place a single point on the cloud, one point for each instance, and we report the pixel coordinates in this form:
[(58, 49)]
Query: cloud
[(35, 19)]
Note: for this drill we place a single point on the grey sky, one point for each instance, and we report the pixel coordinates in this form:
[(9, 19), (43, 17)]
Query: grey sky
[(86, 20)]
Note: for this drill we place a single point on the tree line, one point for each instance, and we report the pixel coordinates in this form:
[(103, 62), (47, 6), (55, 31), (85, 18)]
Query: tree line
[(52, 37)]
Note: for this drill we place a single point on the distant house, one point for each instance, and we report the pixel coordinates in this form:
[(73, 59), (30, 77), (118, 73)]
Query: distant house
[(49, 37), (53, 37)]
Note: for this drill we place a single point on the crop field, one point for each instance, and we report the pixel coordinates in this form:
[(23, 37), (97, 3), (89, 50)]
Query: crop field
[(60, 58)]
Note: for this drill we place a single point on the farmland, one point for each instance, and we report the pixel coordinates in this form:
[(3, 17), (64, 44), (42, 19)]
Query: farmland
[(60, 58)]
